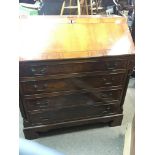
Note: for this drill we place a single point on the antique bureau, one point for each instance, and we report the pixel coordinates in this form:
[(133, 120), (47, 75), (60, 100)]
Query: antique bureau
[(73, 70)]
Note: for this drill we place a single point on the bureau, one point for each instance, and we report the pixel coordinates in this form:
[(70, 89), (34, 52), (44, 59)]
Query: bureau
[(73, 70)]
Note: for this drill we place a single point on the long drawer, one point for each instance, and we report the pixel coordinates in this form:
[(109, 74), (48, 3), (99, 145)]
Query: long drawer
[(72, 113), (56, 101), (39, 68), (75, 83)]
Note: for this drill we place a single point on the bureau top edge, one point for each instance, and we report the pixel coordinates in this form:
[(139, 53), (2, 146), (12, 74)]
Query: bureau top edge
[(39, 59)]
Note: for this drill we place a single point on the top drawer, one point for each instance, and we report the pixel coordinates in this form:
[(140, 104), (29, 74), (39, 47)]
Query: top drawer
[(39, 68)]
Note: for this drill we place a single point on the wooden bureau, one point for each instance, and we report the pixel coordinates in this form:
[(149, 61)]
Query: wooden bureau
[(73, 70)]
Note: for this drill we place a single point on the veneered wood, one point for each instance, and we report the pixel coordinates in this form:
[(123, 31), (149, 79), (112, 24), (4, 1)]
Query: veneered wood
[(83, 65), (72, 84), (54, 37), (73, 73), (58, 101)]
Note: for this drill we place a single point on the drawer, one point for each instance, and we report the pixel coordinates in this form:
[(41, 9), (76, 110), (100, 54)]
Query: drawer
[(72, 113), (72, 99), (66, 67), (84, 82)]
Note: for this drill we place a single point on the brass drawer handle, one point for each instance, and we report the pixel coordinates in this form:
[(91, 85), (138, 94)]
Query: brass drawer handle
[(111, 65), (33, 69), (104, 79), (108, 83), (104, 112), (42, 87), (108, 108), (90, 103), (42, 104), (39, 71), (104, 95), (44, 118), (35, 86)]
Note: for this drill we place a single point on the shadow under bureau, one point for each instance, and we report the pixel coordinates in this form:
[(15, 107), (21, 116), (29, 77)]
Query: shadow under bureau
[(64, 82)]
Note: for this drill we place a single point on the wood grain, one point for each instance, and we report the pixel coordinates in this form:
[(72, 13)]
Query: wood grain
[(55, 37), (73, 70)]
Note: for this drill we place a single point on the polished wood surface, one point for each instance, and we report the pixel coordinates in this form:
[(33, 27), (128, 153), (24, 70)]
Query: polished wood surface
[(73, 73), (55, 37)]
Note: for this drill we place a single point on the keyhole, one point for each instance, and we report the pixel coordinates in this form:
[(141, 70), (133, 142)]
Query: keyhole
[(72, 21)]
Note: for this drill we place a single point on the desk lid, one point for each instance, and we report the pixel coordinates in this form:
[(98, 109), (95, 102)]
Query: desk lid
[(63, 37)]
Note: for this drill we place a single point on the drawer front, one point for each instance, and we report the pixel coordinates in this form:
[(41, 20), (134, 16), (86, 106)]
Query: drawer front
[(71, 84), (74, 99), (55, 68), (72, 113)]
